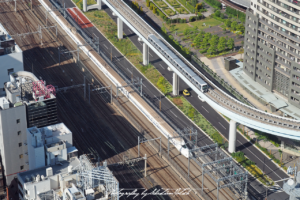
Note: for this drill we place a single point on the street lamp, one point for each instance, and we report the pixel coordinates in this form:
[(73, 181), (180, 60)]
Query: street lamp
[(267, 191)]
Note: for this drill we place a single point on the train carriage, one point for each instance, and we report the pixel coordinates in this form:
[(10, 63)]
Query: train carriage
[(178, 63)]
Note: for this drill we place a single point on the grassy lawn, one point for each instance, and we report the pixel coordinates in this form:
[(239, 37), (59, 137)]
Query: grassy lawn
[(196, 117), (79, 3), (109, 28), (161, 4), (182, 10), (181, 27), (252, 168), (173, 3), (169, 11)]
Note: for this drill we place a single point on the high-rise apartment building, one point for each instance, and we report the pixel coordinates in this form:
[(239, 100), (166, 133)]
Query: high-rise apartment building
[(272, 46)]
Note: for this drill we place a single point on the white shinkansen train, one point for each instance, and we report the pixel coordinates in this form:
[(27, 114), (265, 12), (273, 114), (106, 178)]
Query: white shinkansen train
[(187, 72)]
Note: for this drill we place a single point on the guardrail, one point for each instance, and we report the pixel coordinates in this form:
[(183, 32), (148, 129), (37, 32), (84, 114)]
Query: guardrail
[(221, 81), (103, 69), (269, 119)]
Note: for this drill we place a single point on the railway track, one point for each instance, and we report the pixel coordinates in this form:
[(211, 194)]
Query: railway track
[(72, 105), (30, 43), (233, 5)]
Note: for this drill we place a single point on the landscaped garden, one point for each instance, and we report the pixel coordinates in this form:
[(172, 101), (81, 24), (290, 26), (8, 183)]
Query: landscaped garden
[(252, 168), (182, 10), (161, 4), (109, 28), (173, 3), (169, 12)]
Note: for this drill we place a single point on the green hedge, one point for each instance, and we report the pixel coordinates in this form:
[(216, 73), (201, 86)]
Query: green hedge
[(158, 11), (214, 3), (218, 18), (188, 5), (235, 13), (184, 51)]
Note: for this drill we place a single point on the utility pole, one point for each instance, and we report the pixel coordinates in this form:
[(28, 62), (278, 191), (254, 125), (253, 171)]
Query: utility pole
[(111, 53), (160, 103), (145, 165)]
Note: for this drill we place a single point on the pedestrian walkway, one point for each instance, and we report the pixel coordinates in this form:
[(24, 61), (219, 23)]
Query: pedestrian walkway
[(217, 65)]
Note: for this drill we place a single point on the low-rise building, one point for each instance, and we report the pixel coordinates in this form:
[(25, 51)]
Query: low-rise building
[(11, 57), (27, 103)]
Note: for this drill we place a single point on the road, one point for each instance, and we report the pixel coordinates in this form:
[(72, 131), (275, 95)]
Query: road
[(177, 117)]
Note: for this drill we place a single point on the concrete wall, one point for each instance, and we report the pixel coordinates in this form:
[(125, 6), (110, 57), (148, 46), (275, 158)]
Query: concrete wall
[(37, 187), (9, 141), (8, 61)]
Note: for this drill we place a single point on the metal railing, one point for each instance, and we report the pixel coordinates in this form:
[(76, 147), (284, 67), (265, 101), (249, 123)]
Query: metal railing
[(270, 119), (221, 81)]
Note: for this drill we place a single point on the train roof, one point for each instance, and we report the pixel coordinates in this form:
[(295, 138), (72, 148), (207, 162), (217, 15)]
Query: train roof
[(200, 80), (177, 60)]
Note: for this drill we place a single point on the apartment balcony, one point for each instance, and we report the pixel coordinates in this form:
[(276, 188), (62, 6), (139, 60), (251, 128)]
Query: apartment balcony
[(278, 29), (280, 61), (283, 40), (295, 2), (263, 61), (278, 3), (278, 45), (295, 87)]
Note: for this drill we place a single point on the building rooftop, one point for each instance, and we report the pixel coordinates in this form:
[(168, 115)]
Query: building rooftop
[(61, 168), (56, 130), (7, 43), (273, 99), (25, 87)]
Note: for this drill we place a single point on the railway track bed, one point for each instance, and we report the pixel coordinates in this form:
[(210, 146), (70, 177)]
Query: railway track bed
[(99, 129)]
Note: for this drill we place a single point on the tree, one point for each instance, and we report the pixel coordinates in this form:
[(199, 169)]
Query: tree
[(204, 43), (186, 31), (148, 3), (154, 9), (195, 29), (240, 28), (197, 41), (212, 50), (217, 13), (230, 43), (222, 16), (199, 6), (222, 44), (207, 36), (228, 23), (234, 25), (214, 40)]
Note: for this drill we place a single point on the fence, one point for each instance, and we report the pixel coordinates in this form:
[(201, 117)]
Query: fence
[(221, 81), (127, 79)]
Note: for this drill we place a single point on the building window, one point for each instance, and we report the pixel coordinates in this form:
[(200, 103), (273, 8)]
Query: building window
[(20, 144), (22, 167), (10, 71), (21, 156), (19, 132), (18, 121)]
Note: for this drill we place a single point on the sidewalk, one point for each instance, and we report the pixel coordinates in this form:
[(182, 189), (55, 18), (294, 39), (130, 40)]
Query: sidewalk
[(287, 159), (217, 65)]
